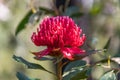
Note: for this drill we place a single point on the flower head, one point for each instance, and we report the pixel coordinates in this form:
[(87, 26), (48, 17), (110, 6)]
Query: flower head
[(61, 36)]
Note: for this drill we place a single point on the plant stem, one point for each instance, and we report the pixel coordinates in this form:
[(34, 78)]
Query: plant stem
[(59, 70)]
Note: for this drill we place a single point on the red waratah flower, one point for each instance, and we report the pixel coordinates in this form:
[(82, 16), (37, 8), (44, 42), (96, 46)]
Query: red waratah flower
[(61, 36)]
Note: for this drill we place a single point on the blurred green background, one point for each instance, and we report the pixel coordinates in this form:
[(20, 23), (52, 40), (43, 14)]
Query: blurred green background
[(100, 21)]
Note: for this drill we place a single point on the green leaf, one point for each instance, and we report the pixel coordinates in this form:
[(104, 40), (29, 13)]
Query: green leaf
[(21, 76), (74, 69), (89, 70), (23, 22), (74, 64), (90, 52), (80, 75), (76, 73), (29, 64), (96, 9), (83, 74), (76, 15), (69, 74), (45, 58), (109, 76)]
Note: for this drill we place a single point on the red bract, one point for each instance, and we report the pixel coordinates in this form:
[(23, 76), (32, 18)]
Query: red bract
[(61, 36)]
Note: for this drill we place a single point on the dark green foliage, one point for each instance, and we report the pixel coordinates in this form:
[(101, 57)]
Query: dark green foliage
[(80, 75), (45, 58), (75, 71), (23, 22), (76, 15), (74, 64), (21, 76), (29, 64)]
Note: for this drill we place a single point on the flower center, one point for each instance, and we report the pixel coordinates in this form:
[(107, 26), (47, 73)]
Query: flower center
[(56, 49)]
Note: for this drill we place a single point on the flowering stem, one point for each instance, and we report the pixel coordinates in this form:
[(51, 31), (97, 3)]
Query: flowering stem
[(59, 70)]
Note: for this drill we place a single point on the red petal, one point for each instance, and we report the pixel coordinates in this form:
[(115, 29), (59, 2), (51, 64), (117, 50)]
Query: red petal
[(68, 55), (71, 52), (42, 53)]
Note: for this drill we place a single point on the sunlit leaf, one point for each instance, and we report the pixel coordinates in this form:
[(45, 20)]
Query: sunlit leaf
[(23, 22), (29, 64), (83, 74), (21, 76), (77, 73), (74, 64), (73, 69), (109, 76), (69, 74)]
